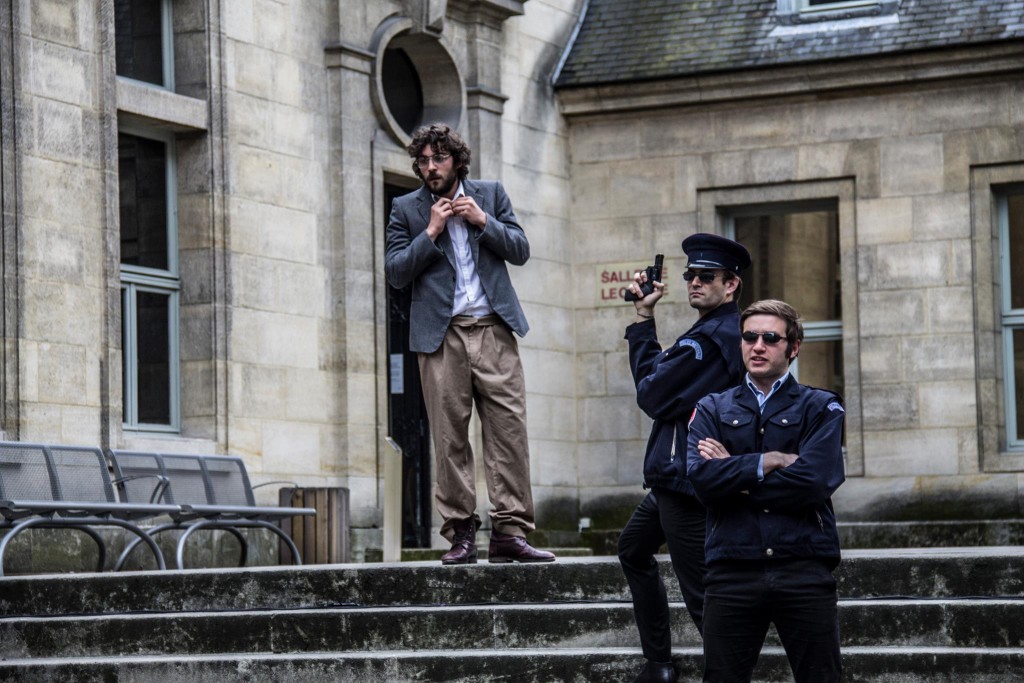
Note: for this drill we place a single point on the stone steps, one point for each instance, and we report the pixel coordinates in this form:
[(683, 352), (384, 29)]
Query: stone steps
[(991, 623), (869, 535), (915, 572), (582, 665), (931, 534), (906, 615)]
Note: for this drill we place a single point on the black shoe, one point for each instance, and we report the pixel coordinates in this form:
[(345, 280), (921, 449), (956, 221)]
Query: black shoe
[(657, 672), (508, 548), (463, 544)]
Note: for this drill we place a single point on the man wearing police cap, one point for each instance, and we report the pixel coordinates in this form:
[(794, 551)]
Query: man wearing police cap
[(669, 382)]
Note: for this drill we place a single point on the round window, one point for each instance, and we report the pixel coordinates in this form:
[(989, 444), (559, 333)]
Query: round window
[(417, 83)]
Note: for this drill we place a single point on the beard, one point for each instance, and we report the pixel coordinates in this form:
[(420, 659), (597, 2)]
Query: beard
[(441, 185)]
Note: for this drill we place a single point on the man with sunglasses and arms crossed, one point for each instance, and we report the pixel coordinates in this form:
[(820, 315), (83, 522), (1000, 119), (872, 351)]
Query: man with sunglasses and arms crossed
[(669, 382), (765, 458), (452, 240)]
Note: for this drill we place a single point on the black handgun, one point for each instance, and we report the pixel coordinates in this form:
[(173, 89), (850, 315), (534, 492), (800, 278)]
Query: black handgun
[(653, 274)]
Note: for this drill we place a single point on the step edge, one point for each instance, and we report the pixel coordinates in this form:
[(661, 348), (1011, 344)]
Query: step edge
[(678, 653)]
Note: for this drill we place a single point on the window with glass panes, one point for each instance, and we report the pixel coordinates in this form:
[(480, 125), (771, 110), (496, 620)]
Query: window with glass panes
[(1010, 214), (149, 280), (795, 258), (143, 41)]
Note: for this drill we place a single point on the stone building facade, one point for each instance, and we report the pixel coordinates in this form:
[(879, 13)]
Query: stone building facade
[(193, 232), (870, 155)]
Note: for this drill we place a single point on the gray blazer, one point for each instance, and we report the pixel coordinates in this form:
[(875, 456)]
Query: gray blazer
[(411, 257)]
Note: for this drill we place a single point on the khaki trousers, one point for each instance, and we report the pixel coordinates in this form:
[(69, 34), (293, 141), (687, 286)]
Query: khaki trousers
[(478, 362)]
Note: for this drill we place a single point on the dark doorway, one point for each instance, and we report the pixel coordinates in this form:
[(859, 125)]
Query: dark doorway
[(407, 416)]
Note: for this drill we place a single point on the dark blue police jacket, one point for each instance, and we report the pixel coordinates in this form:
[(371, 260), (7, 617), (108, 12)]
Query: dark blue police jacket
[(669, 383), (789, 514)]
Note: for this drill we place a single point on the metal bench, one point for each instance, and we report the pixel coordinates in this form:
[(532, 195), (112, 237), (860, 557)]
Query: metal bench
[(51, 487), (211, 492)]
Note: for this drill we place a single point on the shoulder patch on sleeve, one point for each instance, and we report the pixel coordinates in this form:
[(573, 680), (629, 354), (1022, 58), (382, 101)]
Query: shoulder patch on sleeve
[(692, 415), (835, 405), (695, 345)]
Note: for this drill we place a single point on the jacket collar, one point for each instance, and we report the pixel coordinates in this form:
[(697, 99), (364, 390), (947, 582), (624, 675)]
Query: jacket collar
[(714, 316), (790, 390), (725, 310), (785, 396)]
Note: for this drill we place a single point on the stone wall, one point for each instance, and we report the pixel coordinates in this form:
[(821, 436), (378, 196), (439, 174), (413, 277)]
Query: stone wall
[(899, 161), (55, 223), (535, 172), (281, 158)]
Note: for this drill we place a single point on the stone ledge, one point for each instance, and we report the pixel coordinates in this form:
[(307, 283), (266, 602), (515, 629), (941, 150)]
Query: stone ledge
[(150, 105), (489, 12)]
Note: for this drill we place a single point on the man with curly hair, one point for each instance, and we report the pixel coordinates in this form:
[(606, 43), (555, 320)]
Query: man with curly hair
[(452, 240)]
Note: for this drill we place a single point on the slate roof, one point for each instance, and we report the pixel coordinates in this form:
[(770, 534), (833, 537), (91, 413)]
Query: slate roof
[(636, 40)]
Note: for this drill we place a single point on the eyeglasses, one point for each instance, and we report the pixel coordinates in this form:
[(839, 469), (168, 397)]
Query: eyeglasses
[(438, 159), (770, 338), (705, 276)]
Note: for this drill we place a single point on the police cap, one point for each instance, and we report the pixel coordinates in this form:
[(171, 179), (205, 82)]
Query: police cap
[(714, 251)]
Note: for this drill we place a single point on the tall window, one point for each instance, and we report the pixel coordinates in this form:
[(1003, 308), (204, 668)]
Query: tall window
[(795, 254), (149, 279), (143, 41), (1010, 215)]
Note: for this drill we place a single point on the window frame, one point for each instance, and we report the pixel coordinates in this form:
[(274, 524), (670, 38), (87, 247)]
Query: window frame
[(987, 184), (166, 48), (134, 279), (814, 331), (804, 6), (1010, 319), (129, 345), (794, 13), (714, 206)]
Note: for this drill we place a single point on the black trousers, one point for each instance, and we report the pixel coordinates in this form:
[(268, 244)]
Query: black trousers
[(663, 517), (743, 597)]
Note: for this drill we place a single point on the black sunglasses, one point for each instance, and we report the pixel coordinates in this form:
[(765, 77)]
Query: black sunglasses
[(705, 276), (770, 338)]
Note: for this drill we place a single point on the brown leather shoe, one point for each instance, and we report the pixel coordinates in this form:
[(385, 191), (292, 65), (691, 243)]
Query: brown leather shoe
[(507, 548), (463, 545)]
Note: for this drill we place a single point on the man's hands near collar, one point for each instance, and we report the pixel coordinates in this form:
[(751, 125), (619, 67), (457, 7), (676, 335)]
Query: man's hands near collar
[(462, 207)]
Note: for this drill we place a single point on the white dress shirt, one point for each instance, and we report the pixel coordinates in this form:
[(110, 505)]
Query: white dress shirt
[(470, 298)]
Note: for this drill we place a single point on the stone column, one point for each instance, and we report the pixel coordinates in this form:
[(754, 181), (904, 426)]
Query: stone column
[(352, 278), (8, 228), (57, 148), (485, 103)]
